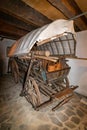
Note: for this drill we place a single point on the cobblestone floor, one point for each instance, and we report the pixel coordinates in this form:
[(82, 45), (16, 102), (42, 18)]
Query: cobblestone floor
[(17, 114)]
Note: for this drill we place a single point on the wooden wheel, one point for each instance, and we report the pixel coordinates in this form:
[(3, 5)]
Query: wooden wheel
[(15, 70), (33, 93), (66, 81)]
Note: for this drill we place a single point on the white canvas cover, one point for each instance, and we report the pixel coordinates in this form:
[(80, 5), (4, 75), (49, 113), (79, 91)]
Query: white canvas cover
[(49, 31)]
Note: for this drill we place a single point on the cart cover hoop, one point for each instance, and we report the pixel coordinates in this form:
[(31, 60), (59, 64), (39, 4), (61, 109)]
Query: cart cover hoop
[(40, 36)]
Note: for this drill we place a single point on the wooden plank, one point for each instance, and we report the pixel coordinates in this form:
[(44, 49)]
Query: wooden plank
[(70, 9), (23, 12), (62, 102), (16, 22), (63, 93), (39, 57), (45, 8), (44, 104)]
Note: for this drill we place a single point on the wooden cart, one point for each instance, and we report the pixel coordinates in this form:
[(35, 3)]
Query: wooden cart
[(44, 71)]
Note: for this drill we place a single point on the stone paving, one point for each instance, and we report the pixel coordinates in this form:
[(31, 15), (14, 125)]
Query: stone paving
[(17, 114)]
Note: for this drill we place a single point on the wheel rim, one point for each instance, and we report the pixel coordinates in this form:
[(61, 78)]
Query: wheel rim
[(15, 71), (33, 92)]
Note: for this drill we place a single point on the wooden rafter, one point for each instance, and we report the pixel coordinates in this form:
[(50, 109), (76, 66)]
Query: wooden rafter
[(8, 30), (16, 22), (70, 9), (24, 12)]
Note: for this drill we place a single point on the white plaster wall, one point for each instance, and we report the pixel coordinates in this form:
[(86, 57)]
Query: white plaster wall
[(3, 55), (78, 73)]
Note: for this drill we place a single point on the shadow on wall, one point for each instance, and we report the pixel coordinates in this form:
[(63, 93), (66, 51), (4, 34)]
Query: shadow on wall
[(1, 66), (3, 55), (1, 61)]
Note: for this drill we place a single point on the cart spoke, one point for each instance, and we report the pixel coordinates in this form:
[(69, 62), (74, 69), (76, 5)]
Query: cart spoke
[(33, 92)]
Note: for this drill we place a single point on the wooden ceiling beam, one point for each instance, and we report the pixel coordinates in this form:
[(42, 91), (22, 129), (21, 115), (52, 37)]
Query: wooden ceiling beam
[(7, 29), (24, 12), (9, 36), (16, 22), (70, 9)]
